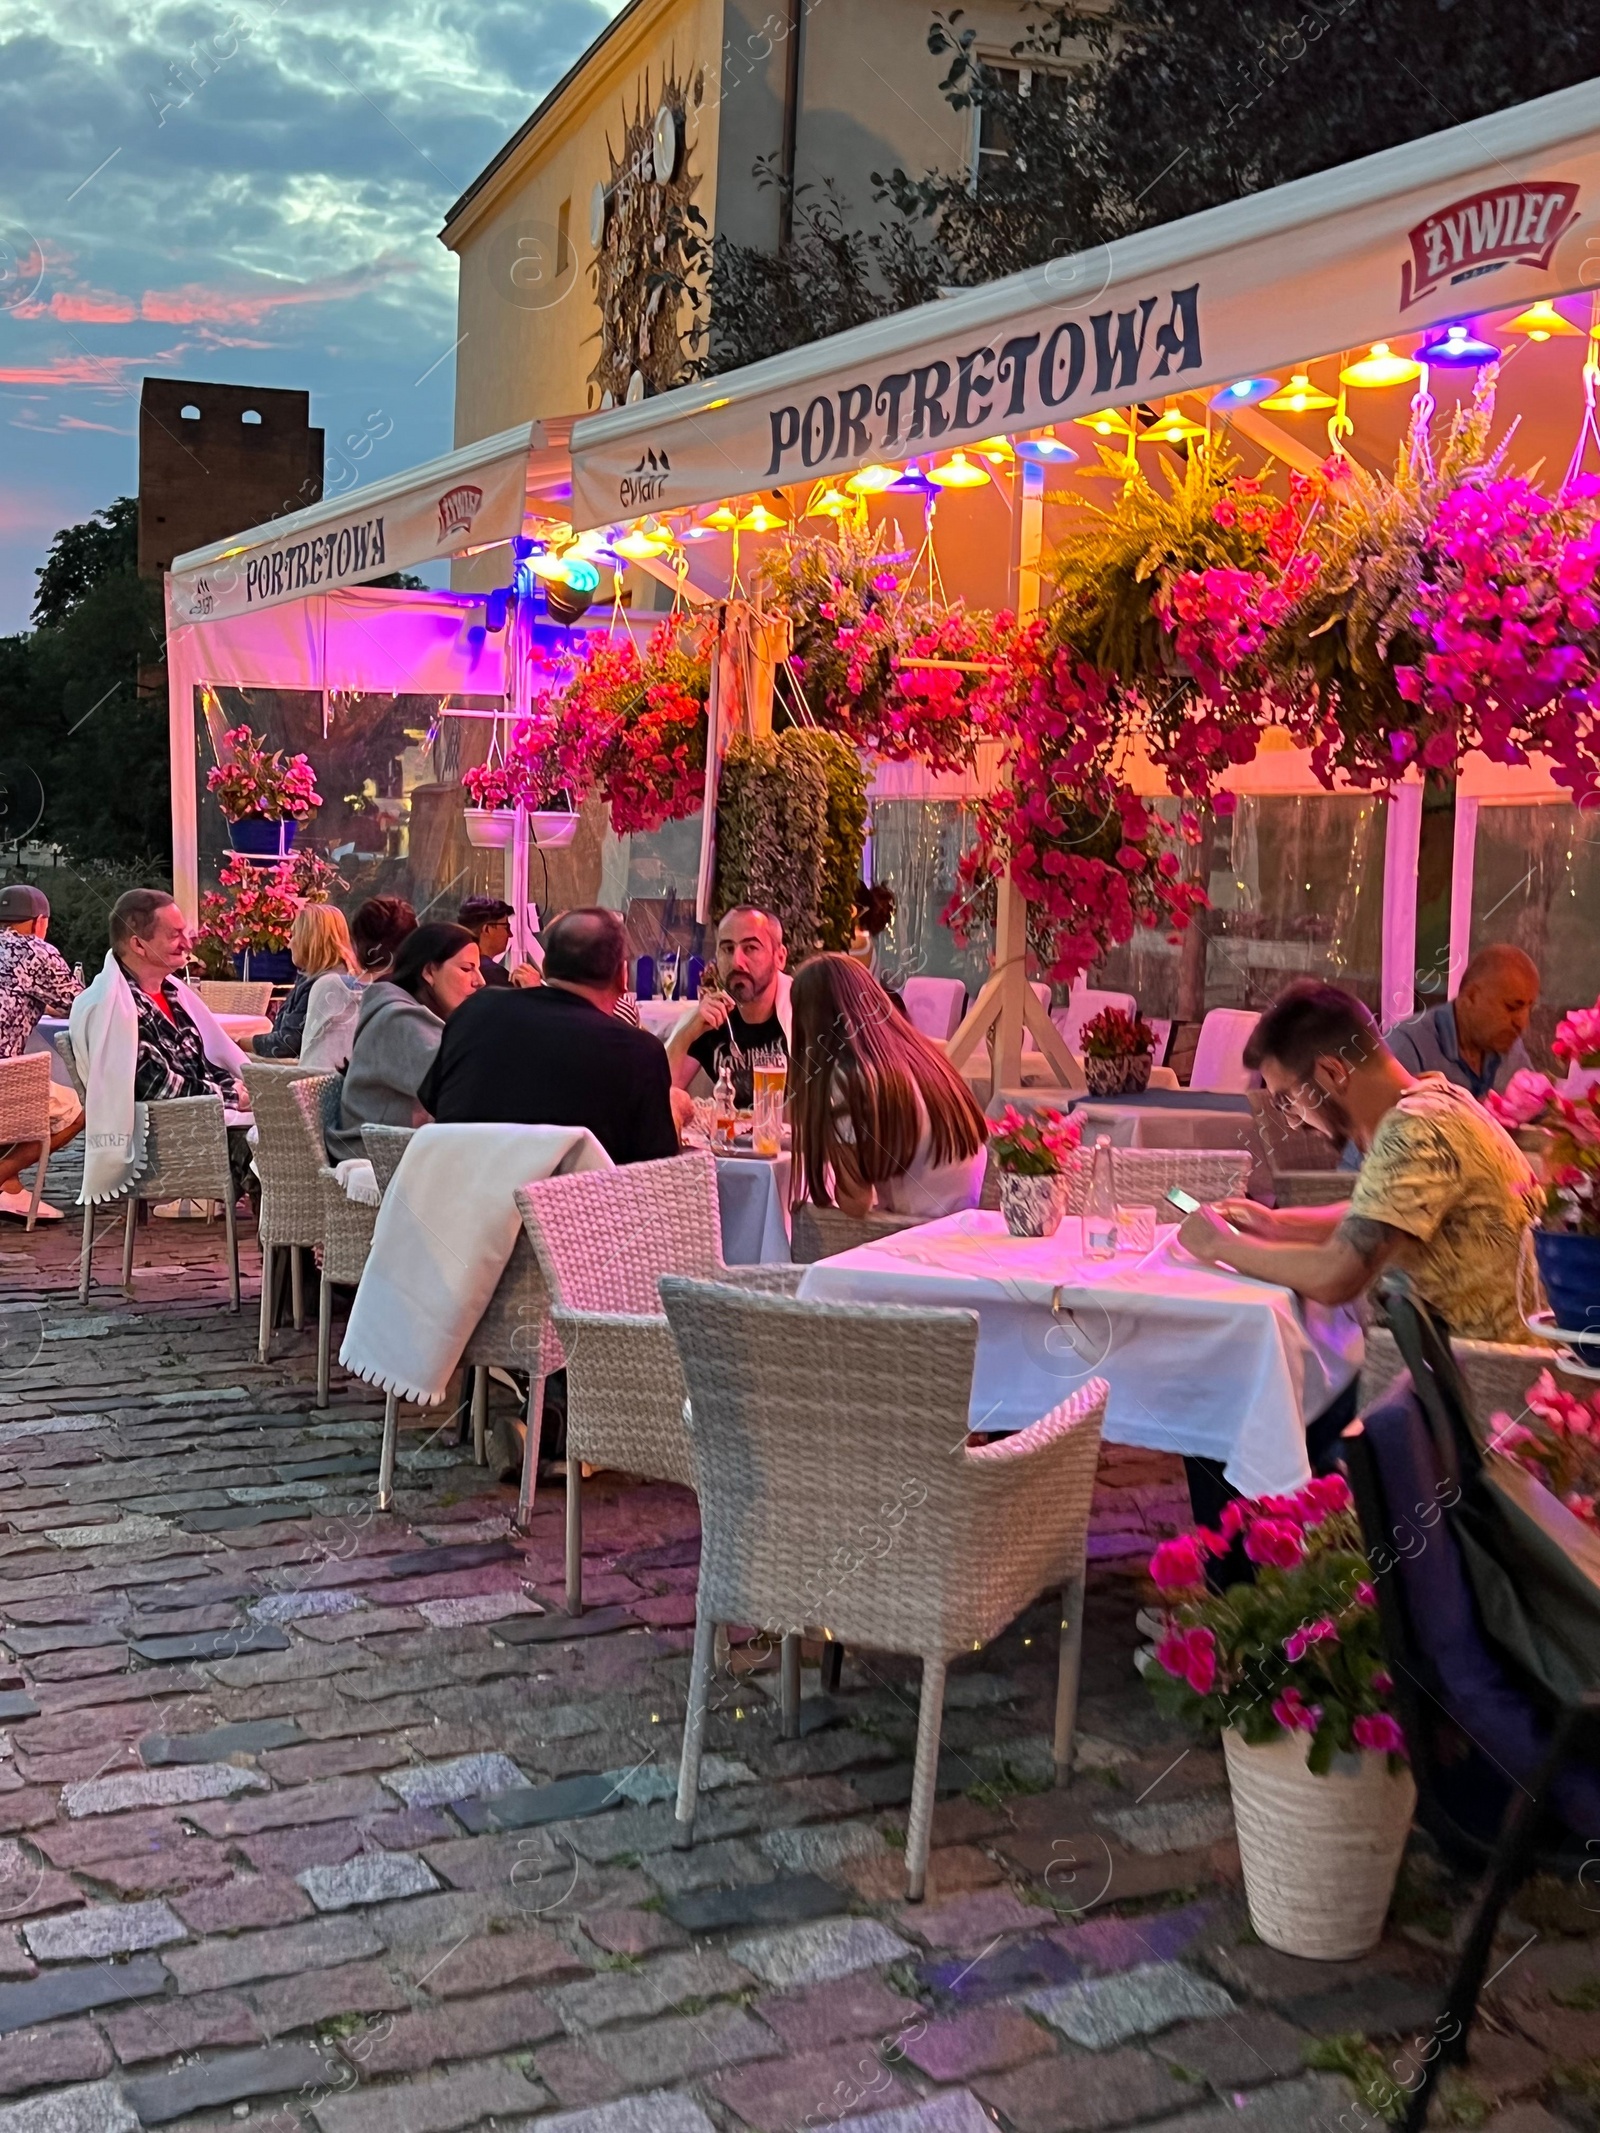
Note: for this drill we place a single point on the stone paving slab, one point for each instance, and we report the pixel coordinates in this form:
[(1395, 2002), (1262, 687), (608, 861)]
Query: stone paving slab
[(479, 1796)]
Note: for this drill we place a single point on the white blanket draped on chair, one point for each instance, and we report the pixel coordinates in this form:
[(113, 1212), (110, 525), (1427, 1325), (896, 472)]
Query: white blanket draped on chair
[(445, 1230)]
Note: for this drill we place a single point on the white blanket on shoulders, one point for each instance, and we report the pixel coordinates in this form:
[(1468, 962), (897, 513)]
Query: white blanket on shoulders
[(104, 1026), (446, 1227)]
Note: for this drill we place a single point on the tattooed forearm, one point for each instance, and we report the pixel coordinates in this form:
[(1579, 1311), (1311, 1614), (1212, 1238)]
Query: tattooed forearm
[(1372, 1242)]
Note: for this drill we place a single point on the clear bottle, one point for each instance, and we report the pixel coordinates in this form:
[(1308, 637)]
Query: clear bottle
[(1100, 1208), (726, 1108)]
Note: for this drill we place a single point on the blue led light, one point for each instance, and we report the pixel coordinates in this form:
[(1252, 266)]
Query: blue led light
[(1243, 392), (1458, 348)]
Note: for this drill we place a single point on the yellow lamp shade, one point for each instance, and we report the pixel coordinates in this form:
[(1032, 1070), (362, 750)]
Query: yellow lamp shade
[(1380, 366), (547, 566), (1107, 423), (958, 472), (1299, 397), (1172, 427), (638, 547), (722, 520), (832, 503), (872, 480), (1542, 322), (758, 519), (997, 450)]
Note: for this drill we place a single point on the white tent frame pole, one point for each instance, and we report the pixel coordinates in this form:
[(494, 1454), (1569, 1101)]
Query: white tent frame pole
[(1463, 859), (1402, 847), (1007, 1004)]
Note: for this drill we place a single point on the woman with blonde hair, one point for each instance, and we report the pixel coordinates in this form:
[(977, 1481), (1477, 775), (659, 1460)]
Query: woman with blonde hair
[(880, 1116), (319, 946)]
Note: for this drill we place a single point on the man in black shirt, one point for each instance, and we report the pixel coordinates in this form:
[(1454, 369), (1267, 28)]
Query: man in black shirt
[(556, 1054), (749, 1014)]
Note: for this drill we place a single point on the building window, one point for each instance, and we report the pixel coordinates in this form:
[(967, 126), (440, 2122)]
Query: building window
[(993, 147), (563, 238)]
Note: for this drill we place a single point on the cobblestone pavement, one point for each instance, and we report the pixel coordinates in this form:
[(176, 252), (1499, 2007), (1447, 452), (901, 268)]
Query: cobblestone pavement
[(330, 1819)]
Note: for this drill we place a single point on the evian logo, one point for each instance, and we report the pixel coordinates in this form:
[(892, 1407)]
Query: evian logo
[(1517, 222), (457, 509), (647, 481)]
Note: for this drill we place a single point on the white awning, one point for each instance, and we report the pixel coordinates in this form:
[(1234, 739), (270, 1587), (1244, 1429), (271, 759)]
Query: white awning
[(1501, 211), (467, 499)]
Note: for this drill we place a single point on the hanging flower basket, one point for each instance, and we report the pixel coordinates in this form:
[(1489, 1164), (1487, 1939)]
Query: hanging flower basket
[(552, 828), (490, 829), (263, 836), (1320, 1853)]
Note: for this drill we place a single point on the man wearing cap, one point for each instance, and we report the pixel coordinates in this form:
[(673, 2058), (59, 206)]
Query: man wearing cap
[(488, 920), (34, 981)]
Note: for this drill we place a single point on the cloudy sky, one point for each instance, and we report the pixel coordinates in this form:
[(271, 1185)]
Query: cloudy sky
[(248, 192)]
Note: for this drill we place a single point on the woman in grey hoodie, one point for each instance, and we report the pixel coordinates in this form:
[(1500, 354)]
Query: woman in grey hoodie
[(397, 1033)]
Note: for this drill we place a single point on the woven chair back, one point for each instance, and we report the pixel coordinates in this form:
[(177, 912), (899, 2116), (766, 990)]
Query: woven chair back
[(385, 1145), (285, 1159), (69, 1059), (187, 1147), (25, 1097), (234, 996), (604, 1238), (1143, 1176), (828, 1454)]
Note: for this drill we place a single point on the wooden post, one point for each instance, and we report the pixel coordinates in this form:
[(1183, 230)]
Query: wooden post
[(1007, 1004)]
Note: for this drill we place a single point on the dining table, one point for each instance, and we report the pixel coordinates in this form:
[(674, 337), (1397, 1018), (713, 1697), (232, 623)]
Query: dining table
[(1197, 1359), (753, 1197)]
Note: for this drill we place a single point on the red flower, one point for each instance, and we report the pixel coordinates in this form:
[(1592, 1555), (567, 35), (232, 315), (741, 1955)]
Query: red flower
[(1177, 1565), (1274, 1542), (1379, 1732), (1190, 1655)]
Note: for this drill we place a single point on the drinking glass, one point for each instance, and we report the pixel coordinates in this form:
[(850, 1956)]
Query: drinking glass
[(769, 1078), (667, 973)]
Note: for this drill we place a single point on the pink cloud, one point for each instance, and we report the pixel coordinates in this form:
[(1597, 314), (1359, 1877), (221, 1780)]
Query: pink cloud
[(78, 370), (194, 304)]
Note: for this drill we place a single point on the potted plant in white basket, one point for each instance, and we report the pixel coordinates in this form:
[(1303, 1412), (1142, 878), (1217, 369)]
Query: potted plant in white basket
[(1290, 1671), (1035, 1158), (1118, 1051), (490, 818)]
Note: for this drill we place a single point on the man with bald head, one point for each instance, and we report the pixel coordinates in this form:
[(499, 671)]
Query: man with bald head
[(1475, 1040), (557, 1054)]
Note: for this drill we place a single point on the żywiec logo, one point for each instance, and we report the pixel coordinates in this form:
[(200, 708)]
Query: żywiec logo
[(648, 480), (1518, 222), (457, 509)]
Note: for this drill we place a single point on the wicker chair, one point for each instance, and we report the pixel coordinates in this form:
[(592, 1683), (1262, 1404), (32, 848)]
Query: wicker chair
[(25, 1113), (290, 1217), (347, 1225), (814, 1425), (603, 1238), (1497, 1373), (186, 1158), (228, 996), (824, 1232), (514, 1331), (1143, 1176)]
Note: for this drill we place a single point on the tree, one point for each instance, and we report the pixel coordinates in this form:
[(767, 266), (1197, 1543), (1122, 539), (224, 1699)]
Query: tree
[(1142, 112), (82, 557), (71, 709)]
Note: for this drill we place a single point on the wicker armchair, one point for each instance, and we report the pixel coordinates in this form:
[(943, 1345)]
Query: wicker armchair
[(25, 1113), (829, 1498), (824, 1232), (1143, 1176), (291, 1205), (1497, 1373), (603, 1239), (347, 1225), (186, 1150), (229, 996)]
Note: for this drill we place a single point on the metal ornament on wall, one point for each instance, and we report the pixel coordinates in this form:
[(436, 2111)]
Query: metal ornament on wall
[(650, 251)]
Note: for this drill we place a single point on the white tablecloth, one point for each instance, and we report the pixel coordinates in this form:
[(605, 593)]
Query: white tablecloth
[(753, 1193), (1198, 1360), (661, 1017), (238, 1027)]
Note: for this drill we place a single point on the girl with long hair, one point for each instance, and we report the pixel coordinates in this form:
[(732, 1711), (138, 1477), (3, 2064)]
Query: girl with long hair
[(402, 1018), (880, 1117)]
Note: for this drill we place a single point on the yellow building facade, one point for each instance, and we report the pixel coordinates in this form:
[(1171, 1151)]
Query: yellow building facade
[(575, 241)]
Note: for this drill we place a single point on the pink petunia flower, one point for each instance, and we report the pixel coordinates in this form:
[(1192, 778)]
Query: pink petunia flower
[(1177, 1565), (1380, 1733)]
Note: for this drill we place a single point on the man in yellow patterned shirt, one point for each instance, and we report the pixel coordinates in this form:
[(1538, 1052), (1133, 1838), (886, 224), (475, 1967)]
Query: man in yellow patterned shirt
[(1443, 1193)]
